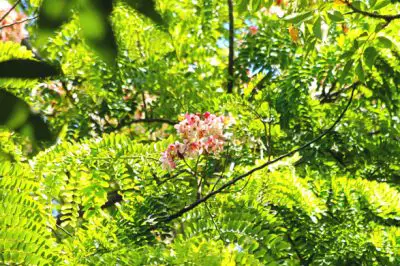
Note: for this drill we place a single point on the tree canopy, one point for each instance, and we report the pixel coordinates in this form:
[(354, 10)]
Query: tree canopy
[(200, 132)]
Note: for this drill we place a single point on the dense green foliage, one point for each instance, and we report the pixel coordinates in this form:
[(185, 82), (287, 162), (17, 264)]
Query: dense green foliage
[(87, 113)]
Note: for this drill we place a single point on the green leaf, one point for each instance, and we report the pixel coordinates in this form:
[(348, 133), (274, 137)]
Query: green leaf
[(370, 55), (380, 26), (372, 3), (385, 42), (346, 70), (360, 71), (358, 4), (347, 54), (298, 17), (29, 69), (317, 28), (335, 16), (381, 4)]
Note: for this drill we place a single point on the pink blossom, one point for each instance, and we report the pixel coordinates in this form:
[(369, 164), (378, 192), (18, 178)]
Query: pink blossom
[(253, 30), (201, 134), (167, 161)]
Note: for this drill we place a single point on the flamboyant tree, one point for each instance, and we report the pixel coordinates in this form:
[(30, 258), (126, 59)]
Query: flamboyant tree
[(199, 132)]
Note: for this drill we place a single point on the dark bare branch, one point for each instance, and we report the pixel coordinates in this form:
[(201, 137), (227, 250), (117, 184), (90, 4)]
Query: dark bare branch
[(386, 17)]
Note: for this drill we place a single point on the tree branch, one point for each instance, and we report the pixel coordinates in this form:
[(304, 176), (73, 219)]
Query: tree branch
[(238, 178), (153, 120), (9, 11), (122, 124), (231, 47), (18, 22), (388, 18)]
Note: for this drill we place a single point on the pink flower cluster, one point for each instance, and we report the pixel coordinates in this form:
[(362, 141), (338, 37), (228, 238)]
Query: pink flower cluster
[(15, 33), (201, 134), (253, 30)]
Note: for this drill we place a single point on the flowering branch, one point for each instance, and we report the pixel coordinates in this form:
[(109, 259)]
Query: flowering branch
[(12, 23), (201, 134), (19, 22), (241, 177)]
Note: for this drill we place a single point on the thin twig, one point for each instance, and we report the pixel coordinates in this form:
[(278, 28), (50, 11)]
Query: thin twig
[(199, 180), (144, 105), (223, 169), (65, 231), (255, 169), (192, 172), (231, 47), (170, 177), (9, 11), (219, 179), (124, 158), (153, 120), (267, 131), (259, 86), (215, 224), (245, 185), (124, 123), (18, 22)]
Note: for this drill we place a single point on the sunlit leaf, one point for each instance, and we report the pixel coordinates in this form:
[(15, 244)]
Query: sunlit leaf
[(335, 16), (370, 55), (317, 28), (360, 71), (298, 17)]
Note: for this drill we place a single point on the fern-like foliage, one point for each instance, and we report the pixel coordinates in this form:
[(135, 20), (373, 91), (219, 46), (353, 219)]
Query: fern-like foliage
[(350, 217), (254, 230), (83, 181), (99, 194), (26, 233), (83, 206)]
